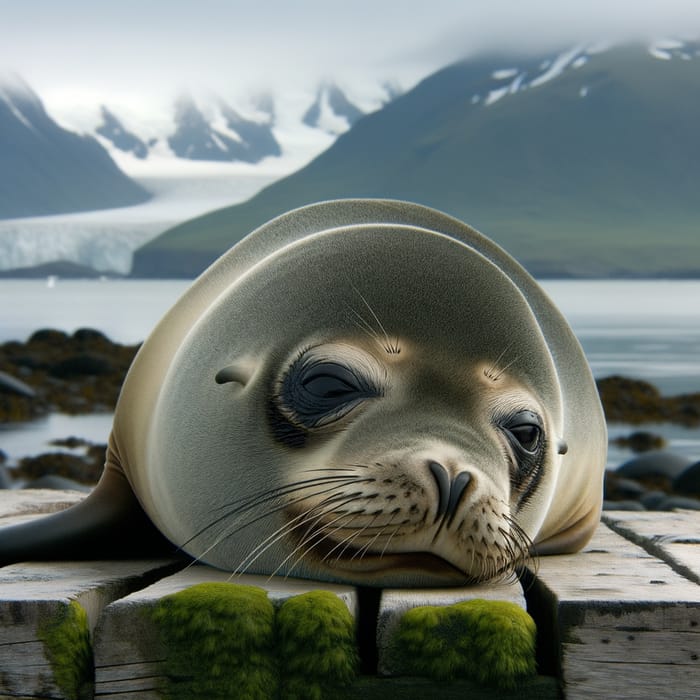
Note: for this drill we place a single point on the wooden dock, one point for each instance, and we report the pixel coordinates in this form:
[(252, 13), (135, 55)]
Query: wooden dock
[(619, 620)]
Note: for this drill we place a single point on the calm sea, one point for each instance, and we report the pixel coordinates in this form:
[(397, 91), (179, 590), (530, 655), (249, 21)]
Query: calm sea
[(643, 329)]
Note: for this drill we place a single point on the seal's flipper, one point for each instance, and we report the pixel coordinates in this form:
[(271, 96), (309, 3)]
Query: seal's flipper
[(108, 524)]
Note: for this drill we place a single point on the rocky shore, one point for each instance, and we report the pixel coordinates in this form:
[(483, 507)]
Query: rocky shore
[(83, 372)]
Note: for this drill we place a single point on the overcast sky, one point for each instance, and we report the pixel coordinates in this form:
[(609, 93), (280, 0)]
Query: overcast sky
[(147, 49)]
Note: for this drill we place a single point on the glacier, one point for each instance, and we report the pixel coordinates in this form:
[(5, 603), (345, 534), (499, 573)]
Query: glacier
[(105, 240)]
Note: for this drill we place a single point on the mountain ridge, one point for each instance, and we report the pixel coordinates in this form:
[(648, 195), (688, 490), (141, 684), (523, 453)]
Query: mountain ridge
[(584, 165), (210, 128), (46, 169)]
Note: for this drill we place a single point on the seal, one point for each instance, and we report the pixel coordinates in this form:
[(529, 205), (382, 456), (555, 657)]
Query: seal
[(365, 391)]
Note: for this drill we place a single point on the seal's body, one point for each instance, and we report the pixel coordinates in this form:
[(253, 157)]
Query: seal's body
[(364, 391)]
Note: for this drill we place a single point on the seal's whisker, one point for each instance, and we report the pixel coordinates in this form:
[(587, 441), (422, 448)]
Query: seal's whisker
[(282, 531), (493, 372), (315, 539), (391, 347), (263, 497), (285, 529), (349, 468), (317, 535), (366, 547), (391, 536), (281, 507), (347, 541), (361, 324), (240, 513), (349, 538), (327, 506), (505, 367), (281, 489)]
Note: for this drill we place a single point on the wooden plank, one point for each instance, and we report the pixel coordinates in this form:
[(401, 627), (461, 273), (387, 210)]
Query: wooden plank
[(673, 537), (23, 504), (129, 656), (627, 624), (34, 594), (395, 602)]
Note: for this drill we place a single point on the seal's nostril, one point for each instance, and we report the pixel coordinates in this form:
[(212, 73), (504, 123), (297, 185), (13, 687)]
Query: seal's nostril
[(443, 483), (449, 492), (459, 485)]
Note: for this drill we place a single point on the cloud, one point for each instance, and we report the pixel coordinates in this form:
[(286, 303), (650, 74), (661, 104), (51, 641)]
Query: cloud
[(156, 49)]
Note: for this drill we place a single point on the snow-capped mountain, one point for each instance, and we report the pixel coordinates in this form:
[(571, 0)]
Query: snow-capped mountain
[(226, 137), (193, 155), (119, 136), (331, 110), (45, 169), (209, 128), (584, 162)]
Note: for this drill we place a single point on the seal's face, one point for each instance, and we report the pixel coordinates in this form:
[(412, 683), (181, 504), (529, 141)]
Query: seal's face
[(404, 467), (394, 419)]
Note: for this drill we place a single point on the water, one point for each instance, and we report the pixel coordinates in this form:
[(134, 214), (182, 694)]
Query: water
[(124, 310), (644, 329)]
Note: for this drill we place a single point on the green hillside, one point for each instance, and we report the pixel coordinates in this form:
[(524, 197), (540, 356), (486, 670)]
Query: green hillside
[(592, 173)]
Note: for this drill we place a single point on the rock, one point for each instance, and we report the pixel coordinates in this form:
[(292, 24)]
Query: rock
[(48, 335), (680, 502), (71, 442), (687, 482), (653, 500), (622, 505), (628, 400), (85, 470), (641, 441), (81, 365), (90, 336), (654, 464), (80, 373), (617, 488), (12, 385)]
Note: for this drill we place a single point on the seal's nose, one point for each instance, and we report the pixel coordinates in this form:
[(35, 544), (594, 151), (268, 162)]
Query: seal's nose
[(449, 490)]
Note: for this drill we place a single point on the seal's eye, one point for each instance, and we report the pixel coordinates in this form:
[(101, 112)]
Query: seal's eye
[(329, 381), (527, 435), (524, 430), (316, 392)]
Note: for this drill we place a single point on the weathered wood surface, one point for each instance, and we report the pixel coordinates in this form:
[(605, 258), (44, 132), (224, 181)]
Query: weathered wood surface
[(128, 654), (395, 602), (33, 594), (622, 618), (673, 537), (16, 506), (628, 625)]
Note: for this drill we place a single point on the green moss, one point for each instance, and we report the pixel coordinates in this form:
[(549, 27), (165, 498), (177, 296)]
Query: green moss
[(492, 642), (66, 638), (219, 639), (316, 642)]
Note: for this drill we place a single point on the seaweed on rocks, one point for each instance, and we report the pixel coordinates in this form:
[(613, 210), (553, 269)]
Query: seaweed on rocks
[(78, 373)]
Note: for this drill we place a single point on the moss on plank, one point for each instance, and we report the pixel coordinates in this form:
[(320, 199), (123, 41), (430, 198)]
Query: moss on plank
[(317, 646), (491, 642), (219, 639), (66, 639)]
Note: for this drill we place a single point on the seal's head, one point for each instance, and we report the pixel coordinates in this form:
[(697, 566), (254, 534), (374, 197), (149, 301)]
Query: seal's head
[(372, 402)]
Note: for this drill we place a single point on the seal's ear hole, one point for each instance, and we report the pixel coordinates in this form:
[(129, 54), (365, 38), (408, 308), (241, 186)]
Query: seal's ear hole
[(562, 447), (238, 374)]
